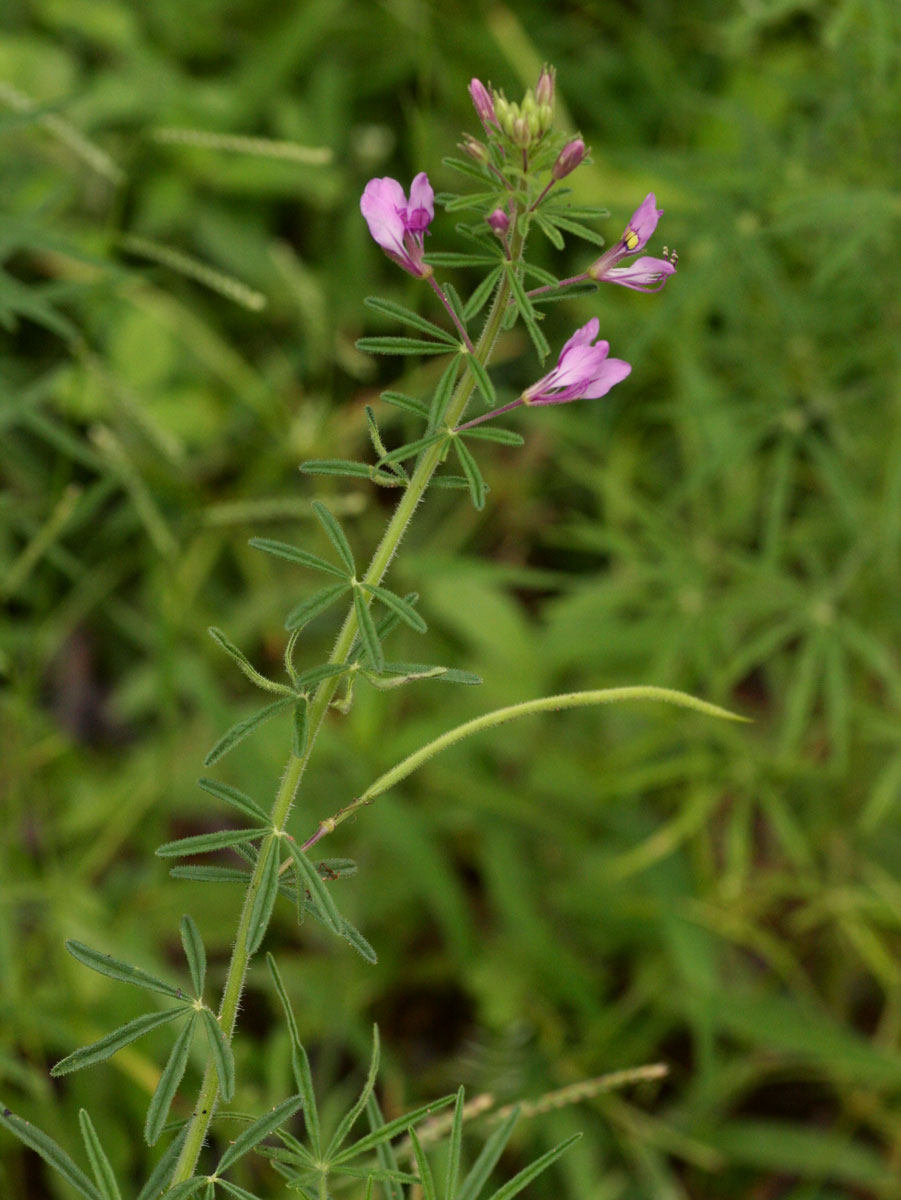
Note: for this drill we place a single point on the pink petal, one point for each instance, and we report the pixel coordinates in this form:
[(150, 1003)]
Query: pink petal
[(613, 371), (587, 333), (382, 203), (421, 198)]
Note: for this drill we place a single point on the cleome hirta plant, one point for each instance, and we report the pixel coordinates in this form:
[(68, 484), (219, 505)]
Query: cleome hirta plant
[(519, 167)]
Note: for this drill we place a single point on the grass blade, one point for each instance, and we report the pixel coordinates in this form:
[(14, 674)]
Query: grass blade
[(514, 1186)]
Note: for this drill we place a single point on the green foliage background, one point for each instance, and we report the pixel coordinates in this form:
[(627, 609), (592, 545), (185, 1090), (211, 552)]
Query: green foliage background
[(584, 893)]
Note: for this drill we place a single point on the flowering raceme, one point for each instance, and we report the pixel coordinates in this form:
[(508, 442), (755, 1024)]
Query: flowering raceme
[(399, 225)]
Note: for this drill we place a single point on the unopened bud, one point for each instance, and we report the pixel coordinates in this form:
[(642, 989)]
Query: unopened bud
[(504, 111), (482, 102), (475, 149), (544, 88), (568, 159), (521, 133), (499, 222)]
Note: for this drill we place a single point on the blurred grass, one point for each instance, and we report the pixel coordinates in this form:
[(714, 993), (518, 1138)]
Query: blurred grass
[(595, 890)]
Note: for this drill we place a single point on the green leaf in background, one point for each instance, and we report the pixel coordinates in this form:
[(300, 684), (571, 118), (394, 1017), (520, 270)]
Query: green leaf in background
[(194, 953), (105, 964), (426, 1180), (487, 1160), (107, 1046), (50, 1152), (170, 1078), (455, 1147), (221, 1053), (388, 308)]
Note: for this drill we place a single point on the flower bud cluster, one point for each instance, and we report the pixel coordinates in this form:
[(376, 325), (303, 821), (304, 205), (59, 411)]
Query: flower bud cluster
[(523, 124)]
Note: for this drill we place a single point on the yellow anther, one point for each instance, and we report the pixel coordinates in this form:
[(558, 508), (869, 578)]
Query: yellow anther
[(630, 239)]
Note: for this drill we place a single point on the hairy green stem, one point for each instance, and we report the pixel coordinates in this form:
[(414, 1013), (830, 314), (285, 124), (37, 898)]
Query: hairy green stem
[(319, 705)]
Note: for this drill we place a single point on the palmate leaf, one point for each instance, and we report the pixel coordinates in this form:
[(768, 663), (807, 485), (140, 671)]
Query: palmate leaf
[(162, 1172), (245, 665), (210, 874), (472, 473), (402, 345), (107, 1046), (310, 879), (452, 258), (221, 1052), (314, 605), (335, 534), (255, 1133), (411, 448), (405, 611), (234, 1189), (383, 1133), (482, 293), (527, 312), (521, 1180), (455, 1146), (426, 1180), (366, 627), (442, 395), (300, 1064), (576, 228), (350, 1118), (397, 312), (105, 964), (264, 900), (243, 728), (481, 1169), (190, 1187), (302, 557), (316, 674), (550, 231), (52, 1154), (349, 469), (238, 800), (483, 380), (194, 953), (169, 1081), (505, 437), (206, 843), (406, 403), (352, 935)]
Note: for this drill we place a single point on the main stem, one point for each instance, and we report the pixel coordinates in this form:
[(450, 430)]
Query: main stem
[(387, 547)]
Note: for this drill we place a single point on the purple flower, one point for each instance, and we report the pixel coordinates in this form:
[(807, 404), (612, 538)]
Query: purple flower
[(499, 221), (397, 224), (645, 275), (583, 371), (483, 103)]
